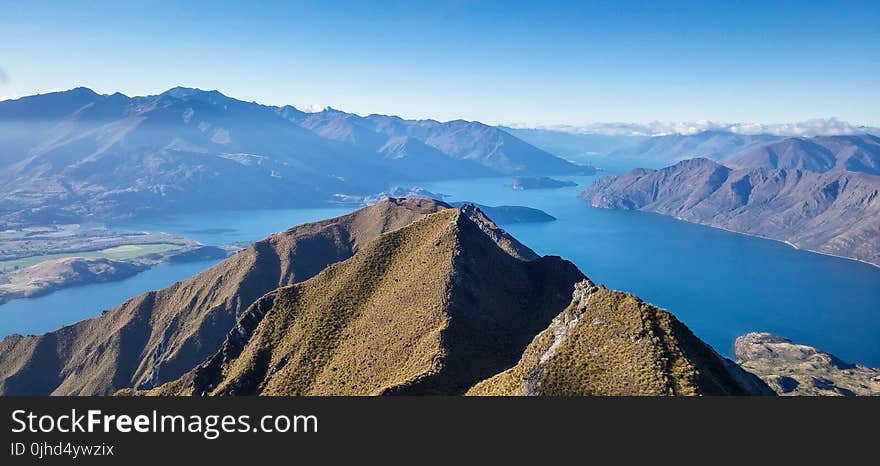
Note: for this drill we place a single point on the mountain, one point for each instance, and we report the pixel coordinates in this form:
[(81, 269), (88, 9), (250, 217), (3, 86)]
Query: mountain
[(794, 369), (408, 296), (77, 155), (478, 149), (440, 307), (858, 153), (834, 213), (404, 153), (159, 335), (716, 145), (573, 145), (431, 308), (476, 142), (611, 343)]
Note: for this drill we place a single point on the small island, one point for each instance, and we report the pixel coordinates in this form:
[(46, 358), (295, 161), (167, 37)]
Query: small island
[(394, 191), (511, 213), (539, 182)]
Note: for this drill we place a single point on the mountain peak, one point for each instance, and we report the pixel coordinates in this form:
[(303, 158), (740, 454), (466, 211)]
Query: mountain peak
[(429, 308), (82, 90), (181, 92)]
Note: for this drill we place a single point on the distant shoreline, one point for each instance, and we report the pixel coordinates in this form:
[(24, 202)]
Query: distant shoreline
[(786, 242)]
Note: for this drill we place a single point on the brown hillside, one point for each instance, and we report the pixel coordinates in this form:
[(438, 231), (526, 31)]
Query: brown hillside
[(431, 308), (160, 335)]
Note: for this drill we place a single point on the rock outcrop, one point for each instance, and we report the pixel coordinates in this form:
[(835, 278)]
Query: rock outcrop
[(793, 369)]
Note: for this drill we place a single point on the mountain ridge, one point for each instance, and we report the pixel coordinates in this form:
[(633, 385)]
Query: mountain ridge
[(334, 334), (78, 155), (856, 153), (832, 213), (160, 334), (407, 296)]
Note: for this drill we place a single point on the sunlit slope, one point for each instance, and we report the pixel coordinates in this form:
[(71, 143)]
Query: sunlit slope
[(431, 308)]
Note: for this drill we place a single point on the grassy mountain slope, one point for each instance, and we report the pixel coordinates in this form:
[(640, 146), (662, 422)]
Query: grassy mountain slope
[(430, 308), (160, 335), (611, 343)]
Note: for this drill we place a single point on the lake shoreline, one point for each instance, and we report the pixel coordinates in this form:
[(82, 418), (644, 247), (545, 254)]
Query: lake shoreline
[(786, 242)]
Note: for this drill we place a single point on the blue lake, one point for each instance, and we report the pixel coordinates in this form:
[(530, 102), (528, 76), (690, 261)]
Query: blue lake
[(720, 284)]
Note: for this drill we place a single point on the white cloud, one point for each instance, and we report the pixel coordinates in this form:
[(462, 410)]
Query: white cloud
[(314, 108), (4, 78), (815, 127)]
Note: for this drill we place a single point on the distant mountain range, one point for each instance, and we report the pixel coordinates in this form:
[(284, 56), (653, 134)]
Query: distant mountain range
[(78, 155), (572, 145), (407, 296), (856, 152), (835, 212), (859, 153), (716, 145)]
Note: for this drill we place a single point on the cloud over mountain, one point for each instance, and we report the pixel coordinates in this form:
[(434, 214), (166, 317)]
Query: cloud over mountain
[(807, 128)]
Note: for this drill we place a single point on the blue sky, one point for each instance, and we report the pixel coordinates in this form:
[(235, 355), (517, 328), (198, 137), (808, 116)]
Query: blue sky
[(498, 62)]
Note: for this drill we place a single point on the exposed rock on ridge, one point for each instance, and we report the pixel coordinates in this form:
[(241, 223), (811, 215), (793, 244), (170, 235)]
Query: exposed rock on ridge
[(611, 343)]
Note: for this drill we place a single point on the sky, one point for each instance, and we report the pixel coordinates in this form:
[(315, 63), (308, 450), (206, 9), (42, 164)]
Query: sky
[(500, 62)]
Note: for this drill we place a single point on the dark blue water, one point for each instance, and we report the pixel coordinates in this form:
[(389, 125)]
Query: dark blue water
[(720, 284)]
